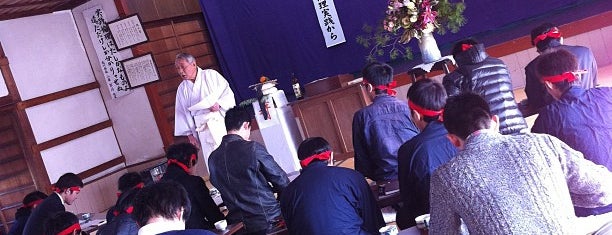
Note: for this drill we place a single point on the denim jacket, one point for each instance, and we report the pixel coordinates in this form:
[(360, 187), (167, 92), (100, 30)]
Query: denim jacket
[(378, 131), (241, 170)]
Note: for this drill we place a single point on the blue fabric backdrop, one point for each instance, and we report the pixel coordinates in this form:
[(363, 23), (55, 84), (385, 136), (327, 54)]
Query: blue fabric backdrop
[(276, 38)]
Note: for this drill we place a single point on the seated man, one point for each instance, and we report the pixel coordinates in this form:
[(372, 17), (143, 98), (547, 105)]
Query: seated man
[(163, 208), (62, 223), (181, 159), (500, 184), (380, 128), (243, 170), (580, 118), (123, 222), (547, 37), (30, 202), (66, 191), (126, 182), (488, 77), (420, 156), (325, 199)]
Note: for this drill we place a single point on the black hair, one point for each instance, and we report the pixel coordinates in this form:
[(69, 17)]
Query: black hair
[(458, 47), (465, 114), (557, 62), (163, 199), (428, 94), (128, 181), (33, 196), (68, 180), (542, 29), (182, 152), (59, 221), (312, 146), (125, 201), (235, 117), (377, 73)]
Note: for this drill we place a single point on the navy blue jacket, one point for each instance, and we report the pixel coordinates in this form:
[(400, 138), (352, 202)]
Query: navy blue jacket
[(488, 77), (21, 217), (243, 171), (583, 120), (122, 224), (536, 93), (50, 206), (188, 232), (204, 211), (330, 200), (418, 159), (378, 131)]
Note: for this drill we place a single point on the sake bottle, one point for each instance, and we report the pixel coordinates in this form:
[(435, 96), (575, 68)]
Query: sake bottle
[(297, 90)]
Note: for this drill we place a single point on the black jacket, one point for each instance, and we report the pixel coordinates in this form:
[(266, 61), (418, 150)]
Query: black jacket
[(51, 205), (204, 211), (537, 95), (122, 224), (488, 77), (243, 171)]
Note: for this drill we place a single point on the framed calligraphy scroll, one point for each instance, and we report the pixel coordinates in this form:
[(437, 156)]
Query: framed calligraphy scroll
[(140, 70), (128, 32)]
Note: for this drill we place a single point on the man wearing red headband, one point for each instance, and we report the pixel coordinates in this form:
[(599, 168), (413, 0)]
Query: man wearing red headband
[(326, 199), (380, 128), (66, 191), (30, 202), (479, 73), (580, 118), (547, 37), (62, 223), (419, 157), (204, 212)]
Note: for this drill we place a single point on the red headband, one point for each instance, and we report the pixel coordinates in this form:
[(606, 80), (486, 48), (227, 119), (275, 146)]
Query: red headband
[(425, 112), (324, 156), (70, 229), (567, 76), (59, 190), (180, 164), (465, 46), (552, 33), (128, 210), (31, 204), (139, 185)]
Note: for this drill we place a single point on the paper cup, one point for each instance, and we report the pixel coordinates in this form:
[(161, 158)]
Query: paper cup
[(221, 224), (389, 230), (422, 222)]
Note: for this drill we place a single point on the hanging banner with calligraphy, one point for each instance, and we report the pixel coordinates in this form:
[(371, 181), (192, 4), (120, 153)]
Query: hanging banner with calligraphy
[(329, 22), (107, 52)]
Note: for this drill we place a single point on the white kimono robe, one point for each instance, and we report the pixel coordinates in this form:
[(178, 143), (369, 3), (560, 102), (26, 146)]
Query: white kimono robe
[(192, 115)]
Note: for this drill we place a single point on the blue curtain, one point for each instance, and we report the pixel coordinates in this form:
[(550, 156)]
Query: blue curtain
[(277, 38)]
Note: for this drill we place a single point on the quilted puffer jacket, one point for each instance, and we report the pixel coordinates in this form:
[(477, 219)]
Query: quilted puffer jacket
[(479, 73)]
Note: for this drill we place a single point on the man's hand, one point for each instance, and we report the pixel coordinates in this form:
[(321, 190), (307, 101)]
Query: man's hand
[(215, 107), (193, 141)]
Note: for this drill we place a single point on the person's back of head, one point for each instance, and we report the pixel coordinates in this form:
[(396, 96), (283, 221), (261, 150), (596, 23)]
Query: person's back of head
[(33, 199), (543, 35), (379, 75), (62, 223), (463, 45), (236, 117), (427, 97), (557, 67), (184, 153), (165, 200), (314, 149), (129, 181), (465, 114)]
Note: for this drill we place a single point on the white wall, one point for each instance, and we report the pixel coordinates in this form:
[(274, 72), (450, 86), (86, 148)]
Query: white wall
[(3, 88), (132, 115)]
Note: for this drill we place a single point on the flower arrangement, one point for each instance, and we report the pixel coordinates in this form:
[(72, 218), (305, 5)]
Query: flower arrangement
[(407, 19)]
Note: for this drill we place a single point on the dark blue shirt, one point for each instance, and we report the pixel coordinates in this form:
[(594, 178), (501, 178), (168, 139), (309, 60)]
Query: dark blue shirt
[(418, 159), (330, 200), (583, 120), (378, 131)]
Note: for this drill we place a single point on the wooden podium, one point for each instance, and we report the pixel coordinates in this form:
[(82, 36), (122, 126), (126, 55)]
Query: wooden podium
[(330, 115)]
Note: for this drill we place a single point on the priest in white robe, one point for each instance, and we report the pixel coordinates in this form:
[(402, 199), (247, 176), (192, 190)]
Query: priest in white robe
[(202, 99)]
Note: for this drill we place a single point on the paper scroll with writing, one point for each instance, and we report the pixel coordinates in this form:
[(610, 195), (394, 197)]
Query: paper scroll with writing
[(329, 22), (127, 32), (107, 53)]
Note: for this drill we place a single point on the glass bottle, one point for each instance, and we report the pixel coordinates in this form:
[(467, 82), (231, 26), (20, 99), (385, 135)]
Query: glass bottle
[(297, 89)]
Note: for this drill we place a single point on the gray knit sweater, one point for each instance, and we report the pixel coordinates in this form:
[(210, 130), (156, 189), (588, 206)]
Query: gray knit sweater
[(521, 184)]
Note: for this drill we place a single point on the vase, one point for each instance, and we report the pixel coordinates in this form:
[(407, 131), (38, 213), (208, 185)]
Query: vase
[(429, 48)]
